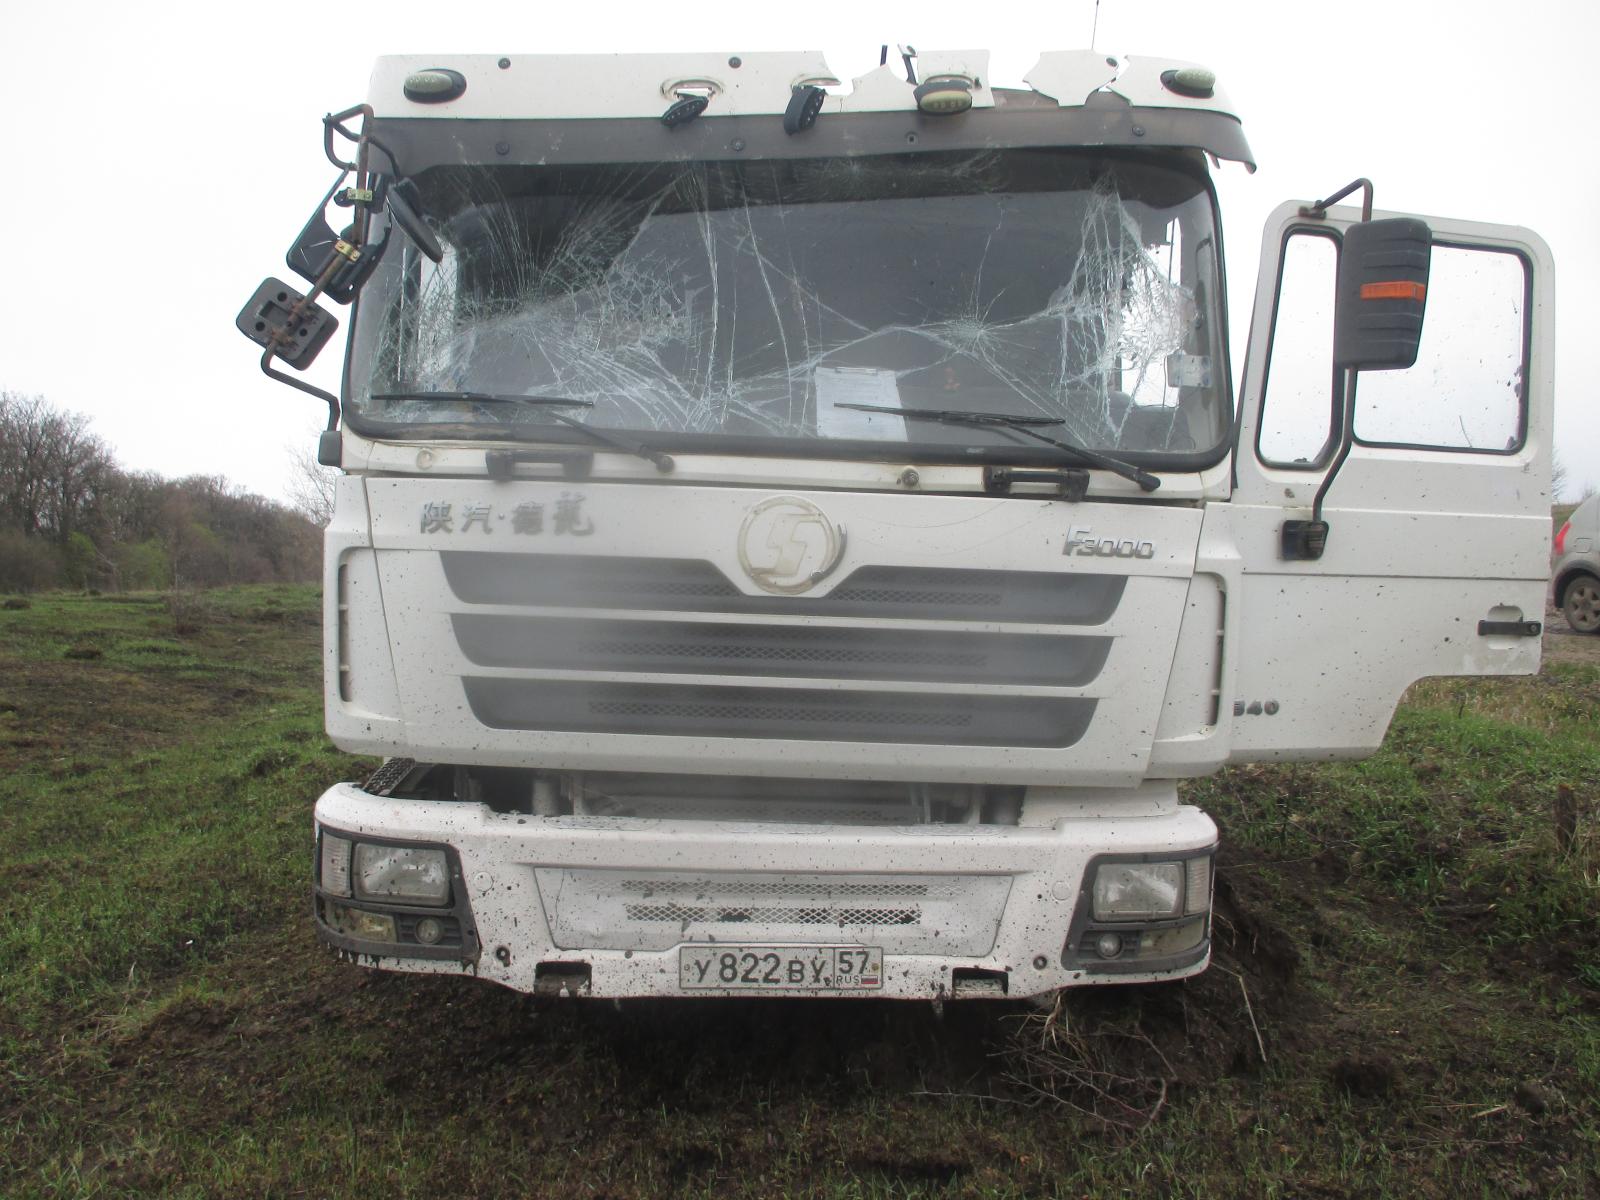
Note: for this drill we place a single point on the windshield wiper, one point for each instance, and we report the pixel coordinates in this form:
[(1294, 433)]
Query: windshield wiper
[(1022, 425), (486, 398), (662, 461)]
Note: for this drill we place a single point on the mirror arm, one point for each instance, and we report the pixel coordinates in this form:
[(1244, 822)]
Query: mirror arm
[(309, 300), (1347, 438), (1319, 209), (334, 123), (342, 252), (328, 398)]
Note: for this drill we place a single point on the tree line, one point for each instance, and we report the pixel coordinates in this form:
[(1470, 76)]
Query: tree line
[(70, 516)]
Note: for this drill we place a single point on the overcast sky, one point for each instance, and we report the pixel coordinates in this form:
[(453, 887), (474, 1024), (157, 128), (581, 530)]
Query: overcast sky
[(159, 159)]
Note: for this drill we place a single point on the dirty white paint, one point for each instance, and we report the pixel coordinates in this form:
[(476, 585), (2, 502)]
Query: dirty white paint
[(490, 621)]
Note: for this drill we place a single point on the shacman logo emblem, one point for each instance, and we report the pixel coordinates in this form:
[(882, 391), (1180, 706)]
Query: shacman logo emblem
[(787, 545)]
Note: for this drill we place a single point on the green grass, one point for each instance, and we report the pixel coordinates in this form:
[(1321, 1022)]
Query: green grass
[(168, 1025)]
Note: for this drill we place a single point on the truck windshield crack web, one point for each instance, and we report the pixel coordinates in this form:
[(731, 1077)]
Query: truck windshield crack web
[(764, 299)]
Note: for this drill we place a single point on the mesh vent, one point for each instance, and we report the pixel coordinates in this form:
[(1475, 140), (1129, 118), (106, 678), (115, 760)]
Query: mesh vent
[(761, 713), (831, 655), (388, 776), (902, 598), (781, 713), (775, 887), (637, 909), (681, 914), (677, 808), (696, 648)]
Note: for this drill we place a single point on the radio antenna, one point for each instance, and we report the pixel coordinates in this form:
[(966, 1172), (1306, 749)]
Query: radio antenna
[(1095, 30)]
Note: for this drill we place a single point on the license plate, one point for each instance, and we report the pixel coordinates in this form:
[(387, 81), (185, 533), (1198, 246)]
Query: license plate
[(807, 968)]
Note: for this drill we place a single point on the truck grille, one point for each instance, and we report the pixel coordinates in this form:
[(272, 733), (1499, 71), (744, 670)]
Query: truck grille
[(763, 678), (823, 715), (693, 585), (817, 651)]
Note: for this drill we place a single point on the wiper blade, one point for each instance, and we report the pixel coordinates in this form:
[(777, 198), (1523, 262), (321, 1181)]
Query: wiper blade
[(1023, 425), (662, 461), (956, 416), (486, 398)]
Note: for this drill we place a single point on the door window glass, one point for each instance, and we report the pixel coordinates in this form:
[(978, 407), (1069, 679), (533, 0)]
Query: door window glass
[(1466, 390), (1299, 391)]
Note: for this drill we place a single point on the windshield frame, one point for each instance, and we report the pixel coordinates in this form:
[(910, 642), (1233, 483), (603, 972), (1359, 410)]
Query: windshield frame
[(1016, 451)]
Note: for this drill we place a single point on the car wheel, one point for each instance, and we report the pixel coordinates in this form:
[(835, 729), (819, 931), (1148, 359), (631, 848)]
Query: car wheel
[(1581, 603)]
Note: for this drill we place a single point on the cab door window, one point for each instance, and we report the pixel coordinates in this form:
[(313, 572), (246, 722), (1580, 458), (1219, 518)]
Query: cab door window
[(1466, 391), (1300, 393)]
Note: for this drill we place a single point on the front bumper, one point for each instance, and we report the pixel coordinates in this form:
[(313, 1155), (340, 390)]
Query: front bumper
[(609, 901)]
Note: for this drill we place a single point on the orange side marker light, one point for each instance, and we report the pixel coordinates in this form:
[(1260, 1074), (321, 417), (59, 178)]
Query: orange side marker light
[(1394, 290)]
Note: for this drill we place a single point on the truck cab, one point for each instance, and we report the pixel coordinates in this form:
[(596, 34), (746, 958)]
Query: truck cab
[(794, 538)]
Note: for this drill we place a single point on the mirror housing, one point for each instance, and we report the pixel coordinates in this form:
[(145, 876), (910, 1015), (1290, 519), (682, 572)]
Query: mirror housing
[(265, 320), (313, 250), (1381, 294)]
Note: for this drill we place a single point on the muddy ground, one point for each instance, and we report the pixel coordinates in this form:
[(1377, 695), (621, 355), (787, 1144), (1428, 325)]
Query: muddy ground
[(1405, 998)]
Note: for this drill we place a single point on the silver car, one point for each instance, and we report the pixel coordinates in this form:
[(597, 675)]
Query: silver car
[(1575, 567)]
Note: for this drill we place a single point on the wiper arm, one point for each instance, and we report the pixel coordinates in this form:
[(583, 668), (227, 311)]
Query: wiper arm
[(662, 461), (1022, 425), (486, 398)]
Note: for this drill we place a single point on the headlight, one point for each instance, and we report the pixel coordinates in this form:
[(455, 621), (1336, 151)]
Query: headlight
[(1126, 891), (405, 873)]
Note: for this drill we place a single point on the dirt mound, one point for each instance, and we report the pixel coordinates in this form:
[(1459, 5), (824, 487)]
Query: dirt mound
[(1115, 1054)]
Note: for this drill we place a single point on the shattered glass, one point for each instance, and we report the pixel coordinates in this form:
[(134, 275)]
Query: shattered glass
[(754, 299)]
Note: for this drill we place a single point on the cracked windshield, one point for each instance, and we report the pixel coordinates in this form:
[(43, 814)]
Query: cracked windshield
[(708, 301)]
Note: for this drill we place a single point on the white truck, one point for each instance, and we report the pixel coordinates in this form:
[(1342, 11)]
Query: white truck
[(794, 538)]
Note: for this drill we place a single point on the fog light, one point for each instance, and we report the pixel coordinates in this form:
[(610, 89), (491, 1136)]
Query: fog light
[(1173, 939), (368, 926), (1108, 945), (429, 930)]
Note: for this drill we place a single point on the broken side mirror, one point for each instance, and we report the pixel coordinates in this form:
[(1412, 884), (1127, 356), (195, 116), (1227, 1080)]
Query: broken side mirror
[(353, 256), (405, 210), (1381, 293), (317, 247), (279, 317)]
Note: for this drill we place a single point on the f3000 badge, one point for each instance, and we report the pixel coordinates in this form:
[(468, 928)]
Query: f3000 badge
[(1082, 541)]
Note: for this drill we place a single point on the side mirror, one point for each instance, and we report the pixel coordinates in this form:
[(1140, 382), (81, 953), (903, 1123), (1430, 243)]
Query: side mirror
[(405, 210), (313, 250), (278, 316), (1381, 293)]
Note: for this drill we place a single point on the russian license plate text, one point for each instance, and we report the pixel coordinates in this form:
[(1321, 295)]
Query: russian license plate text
[(811, 968)]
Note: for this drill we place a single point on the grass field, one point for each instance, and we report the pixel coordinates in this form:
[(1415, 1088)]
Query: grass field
[(1405, 1001)]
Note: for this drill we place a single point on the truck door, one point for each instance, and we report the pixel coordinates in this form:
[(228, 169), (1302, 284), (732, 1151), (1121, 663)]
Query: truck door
[(1439, 520)]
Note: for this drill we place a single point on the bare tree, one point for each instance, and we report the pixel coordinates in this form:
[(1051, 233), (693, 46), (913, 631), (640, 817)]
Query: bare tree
[(51, 467), (311, 486), (69, 513), (1558, 478)]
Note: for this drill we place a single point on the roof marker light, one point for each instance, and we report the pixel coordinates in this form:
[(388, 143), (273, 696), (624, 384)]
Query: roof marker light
[(1195, 82), (944, 95), (434, 85)]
